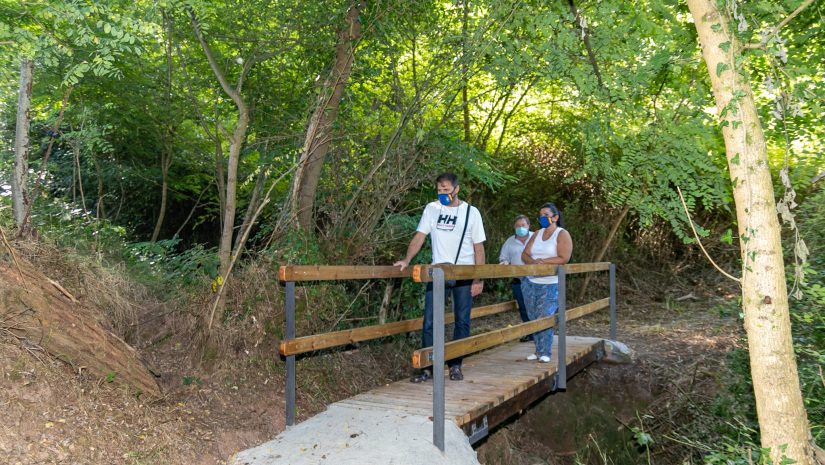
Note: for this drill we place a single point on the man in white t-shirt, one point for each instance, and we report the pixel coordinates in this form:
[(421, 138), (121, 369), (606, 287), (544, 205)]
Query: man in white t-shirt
[(457, 235)]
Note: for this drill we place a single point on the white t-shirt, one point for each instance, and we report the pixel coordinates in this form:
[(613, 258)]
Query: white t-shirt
[(545, 249), (512, 249), (445, 225)]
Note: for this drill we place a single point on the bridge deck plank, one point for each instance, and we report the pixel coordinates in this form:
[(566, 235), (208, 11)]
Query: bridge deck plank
[(491, 378)]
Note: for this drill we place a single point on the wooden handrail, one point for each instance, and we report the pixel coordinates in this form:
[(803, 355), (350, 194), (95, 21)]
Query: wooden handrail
[(314, 342), (330, 273), (422, 358), (421, 273)]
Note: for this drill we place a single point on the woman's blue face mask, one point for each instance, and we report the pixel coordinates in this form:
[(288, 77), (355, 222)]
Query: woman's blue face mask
[(544, 221), (521, 231)]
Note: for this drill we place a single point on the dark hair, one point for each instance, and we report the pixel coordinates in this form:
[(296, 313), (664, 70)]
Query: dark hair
[(451, 177), (555, 211), (522, 217)]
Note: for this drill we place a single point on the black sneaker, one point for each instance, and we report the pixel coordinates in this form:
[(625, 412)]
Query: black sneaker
[(526, 338), (455, 373), (421, 376)]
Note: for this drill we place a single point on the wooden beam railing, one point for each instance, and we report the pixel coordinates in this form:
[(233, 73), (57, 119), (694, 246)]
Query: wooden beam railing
[(291, 345), (423, 358), (421, 273), (315, 342), (336, 273)]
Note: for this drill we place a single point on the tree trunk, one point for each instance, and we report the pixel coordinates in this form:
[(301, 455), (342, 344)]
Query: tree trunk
[(599, 256), (254, 202), (166, 155), (236, 141), (53, 134), (385, 303), (319, 130), (166, 162), (782, 417), (76, 150), (465, 105), (21, 144), (591, 56), (100, 211)]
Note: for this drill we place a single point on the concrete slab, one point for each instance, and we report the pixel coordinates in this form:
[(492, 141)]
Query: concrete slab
[(344, 435)]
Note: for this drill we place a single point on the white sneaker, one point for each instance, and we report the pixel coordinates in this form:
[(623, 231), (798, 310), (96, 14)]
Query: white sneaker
[(544, 359), (532, 357)]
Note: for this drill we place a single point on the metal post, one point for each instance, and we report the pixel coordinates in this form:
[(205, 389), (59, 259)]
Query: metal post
[(290, 359), (438, 357), (561, 372), (612, 271)]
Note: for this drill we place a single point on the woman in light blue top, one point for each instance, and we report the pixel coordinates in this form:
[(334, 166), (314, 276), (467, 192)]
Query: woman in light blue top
[(550, 245)]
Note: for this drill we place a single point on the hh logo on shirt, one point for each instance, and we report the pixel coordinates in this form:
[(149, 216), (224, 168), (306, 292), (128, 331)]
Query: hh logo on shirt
[(446, 222)]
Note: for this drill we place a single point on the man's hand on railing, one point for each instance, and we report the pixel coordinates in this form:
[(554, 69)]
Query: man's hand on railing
[(477, 288), (401, 264)]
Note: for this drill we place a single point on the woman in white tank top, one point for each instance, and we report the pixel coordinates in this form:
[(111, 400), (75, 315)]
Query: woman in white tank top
[(550, 245)]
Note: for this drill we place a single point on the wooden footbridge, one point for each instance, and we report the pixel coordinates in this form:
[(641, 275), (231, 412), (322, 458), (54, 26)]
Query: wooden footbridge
[(499, 382)]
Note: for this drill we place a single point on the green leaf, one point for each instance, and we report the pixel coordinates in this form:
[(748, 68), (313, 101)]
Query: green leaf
[(735, 159), (725, 46), (716, 27), (721, 67), (727, 237)]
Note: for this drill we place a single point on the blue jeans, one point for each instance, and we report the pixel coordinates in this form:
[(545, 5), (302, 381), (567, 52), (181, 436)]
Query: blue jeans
[(541, 300), (462, 305), (519, 296)]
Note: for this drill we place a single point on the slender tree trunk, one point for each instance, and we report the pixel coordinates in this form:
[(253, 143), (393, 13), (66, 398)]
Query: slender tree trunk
[(166, 162), (53, 133), (166, 155), (605, 245), (465, 104), (319, 130), (21, 144), (385, 303), (76, 150), (254, 202), (100, 211), (783, 421), (591, 56), (236, 141)]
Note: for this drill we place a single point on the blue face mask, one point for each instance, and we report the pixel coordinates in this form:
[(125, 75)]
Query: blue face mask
[(544, 221), (445, 199), (521, 231)]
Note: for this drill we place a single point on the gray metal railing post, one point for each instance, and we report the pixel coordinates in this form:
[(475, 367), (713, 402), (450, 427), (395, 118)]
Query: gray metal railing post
[(438, 357), (612, 271), (290, 359), (561, 372)]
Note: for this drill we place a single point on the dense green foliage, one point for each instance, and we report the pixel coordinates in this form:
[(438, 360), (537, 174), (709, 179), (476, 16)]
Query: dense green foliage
[(603, 109)]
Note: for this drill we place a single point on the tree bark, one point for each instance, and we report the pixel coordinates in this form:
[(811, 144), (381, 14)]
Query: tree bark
[(385, 303), (21, 144), (319, 130), (782, 417)]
